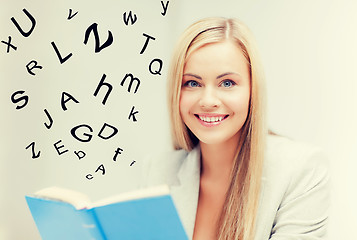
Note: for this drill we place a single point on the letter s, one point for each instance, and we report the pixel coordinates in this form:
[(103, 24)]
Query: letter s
[(16, 99)]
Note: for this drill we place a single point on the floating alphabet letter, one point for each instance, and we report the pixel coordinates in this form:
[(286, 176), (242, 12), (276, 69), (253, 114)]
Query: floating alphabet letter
[(106, 126), (164, 7), (158, 71), (33, 22), (103, 133), (118, 151), (48, 126), (70, 16), (87, 135), (69, 97), (80, 154), (8, 43), (148, 37), (14, 99), (34, 65), (34, 155), (62, 60), (102, 83), (59, 147), (130, 16), (101, 168), (132, 114), (94, 28), (132, 79)]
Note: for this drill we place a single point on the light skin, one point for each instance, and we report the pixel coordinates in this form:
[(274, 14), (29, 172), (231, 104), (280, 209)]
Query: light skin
[(214, 105)]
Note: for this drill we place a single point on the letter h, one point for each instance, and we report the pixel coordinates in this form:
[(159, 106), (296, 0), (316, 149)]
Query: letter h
[(108, 85)]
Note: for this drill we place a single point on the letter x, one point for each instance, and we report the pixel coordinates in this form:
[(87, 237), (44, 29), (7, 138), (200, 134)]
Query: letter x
[(9, 45)]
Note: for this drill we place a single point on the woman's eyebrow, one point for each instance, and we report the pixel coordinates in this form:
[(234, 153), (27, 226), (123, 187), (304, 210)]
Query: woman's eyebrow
[(192, 75), (227, 73)]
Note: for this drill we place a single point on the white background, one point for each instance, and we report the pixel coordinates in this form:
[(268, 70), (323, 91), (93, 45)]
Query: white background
[(308, 49)]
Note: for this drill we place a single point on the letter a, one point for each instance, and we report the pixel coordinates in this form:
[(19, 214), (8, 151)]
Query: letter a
[(101, 168), (63, 101)]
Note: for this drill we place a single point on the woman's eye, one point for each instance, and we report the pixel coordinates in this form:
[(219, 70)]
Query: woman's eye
[(192, 83), (227, 83)]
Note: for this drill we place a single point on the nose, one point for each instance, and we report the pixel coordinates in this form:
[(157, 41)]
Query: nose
[(209, 98)]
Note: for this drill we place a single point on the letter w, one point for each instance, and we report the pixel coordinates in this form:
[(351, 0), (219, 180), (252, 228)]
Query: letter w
[(130, 17), (94, 28)]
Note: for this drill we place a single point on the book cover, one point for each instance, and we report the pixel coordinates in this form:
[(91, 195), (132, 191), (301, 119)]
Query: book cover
[(142, 214)]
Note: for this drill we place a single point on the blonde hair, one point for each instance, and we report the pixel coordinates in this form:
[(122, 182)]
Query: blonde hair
[(238, 216)]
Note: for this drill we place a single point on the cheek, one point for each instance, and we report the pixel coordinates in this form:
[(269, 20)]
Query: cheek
[(239, 103), (185, 103)]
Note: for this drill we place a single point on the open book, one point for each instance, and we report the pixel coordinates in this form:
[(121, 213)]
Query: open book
[(141, 214)]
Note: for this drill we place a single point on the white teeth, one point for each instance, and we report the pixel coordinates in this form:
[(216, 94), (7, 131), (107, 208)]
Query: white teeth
[(211, 119)]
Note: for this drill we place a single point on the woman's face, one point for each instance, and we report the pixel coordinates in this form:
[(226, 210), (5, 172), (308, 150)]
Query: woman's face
[(215, 92)]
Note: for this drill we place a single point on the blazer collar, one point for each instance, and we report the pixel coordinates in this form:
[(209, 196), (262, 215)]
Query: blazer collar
[(185, 193)]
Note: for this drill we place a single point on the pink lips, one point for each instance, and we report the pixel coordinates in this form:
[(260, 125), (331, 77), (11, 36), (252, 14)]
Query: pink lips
[(211, 120)]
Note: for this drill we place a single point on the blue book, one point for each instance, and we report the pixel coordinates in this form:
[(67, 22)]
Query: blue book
[(148, 214)]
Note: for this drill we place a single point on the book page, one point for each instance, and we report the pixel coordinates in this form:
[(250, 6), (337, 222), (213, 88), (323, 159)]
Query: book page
[(77, 199), (160, 190)]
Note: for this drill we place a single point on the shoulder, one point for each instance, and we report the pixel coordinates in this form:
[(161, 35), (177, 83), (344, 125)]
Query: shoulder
[(293, 155), (295, 189), (162, 168), (291, 164)]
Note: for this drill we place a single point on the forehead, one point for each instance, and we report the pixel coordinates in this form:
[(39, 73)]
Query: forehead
[(225, 56)]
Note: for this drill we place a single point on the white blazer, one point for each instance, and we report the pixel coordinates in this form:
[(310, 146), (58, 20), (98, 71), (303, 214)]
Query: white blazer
[(294, 196)]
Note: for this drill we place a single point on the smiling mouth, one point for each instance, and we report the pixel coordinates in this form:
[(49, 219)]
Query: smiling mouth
[(211, 119)]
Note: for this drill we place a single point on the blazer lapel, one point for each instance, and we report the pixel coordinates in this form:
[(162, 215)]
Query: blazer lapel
[(185, 193)]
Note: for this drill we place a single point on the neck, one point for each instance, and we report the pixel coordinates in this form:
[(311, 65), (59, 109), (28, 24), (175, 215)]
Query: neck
[(218, 159)]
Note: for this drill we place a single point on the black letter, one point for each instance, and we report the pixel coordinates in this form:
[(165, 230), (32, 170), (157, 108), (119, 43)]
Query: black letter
[(80, 154), (29, 69), (160, 66), (164, 7), (32, 145), (73, 132), (9, 45), (101, 83), (70, 16), (132, 79), (33, 21), (118, 151), (58, 147), (132, 114), (101, 167), (48, 126), (148, 37), (126, 19), (70, 97), (89, 176), (94, 28), (115, 131), (62, 60), (23, 98)]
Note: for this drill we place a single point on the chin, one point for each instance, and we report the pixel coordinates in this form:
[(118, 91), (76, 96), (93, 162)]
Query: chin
[(212, 141)]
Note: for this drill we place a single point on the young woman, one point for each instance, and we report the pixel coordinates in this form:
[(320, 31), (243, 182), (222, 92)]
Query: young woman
[(229, 178)]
